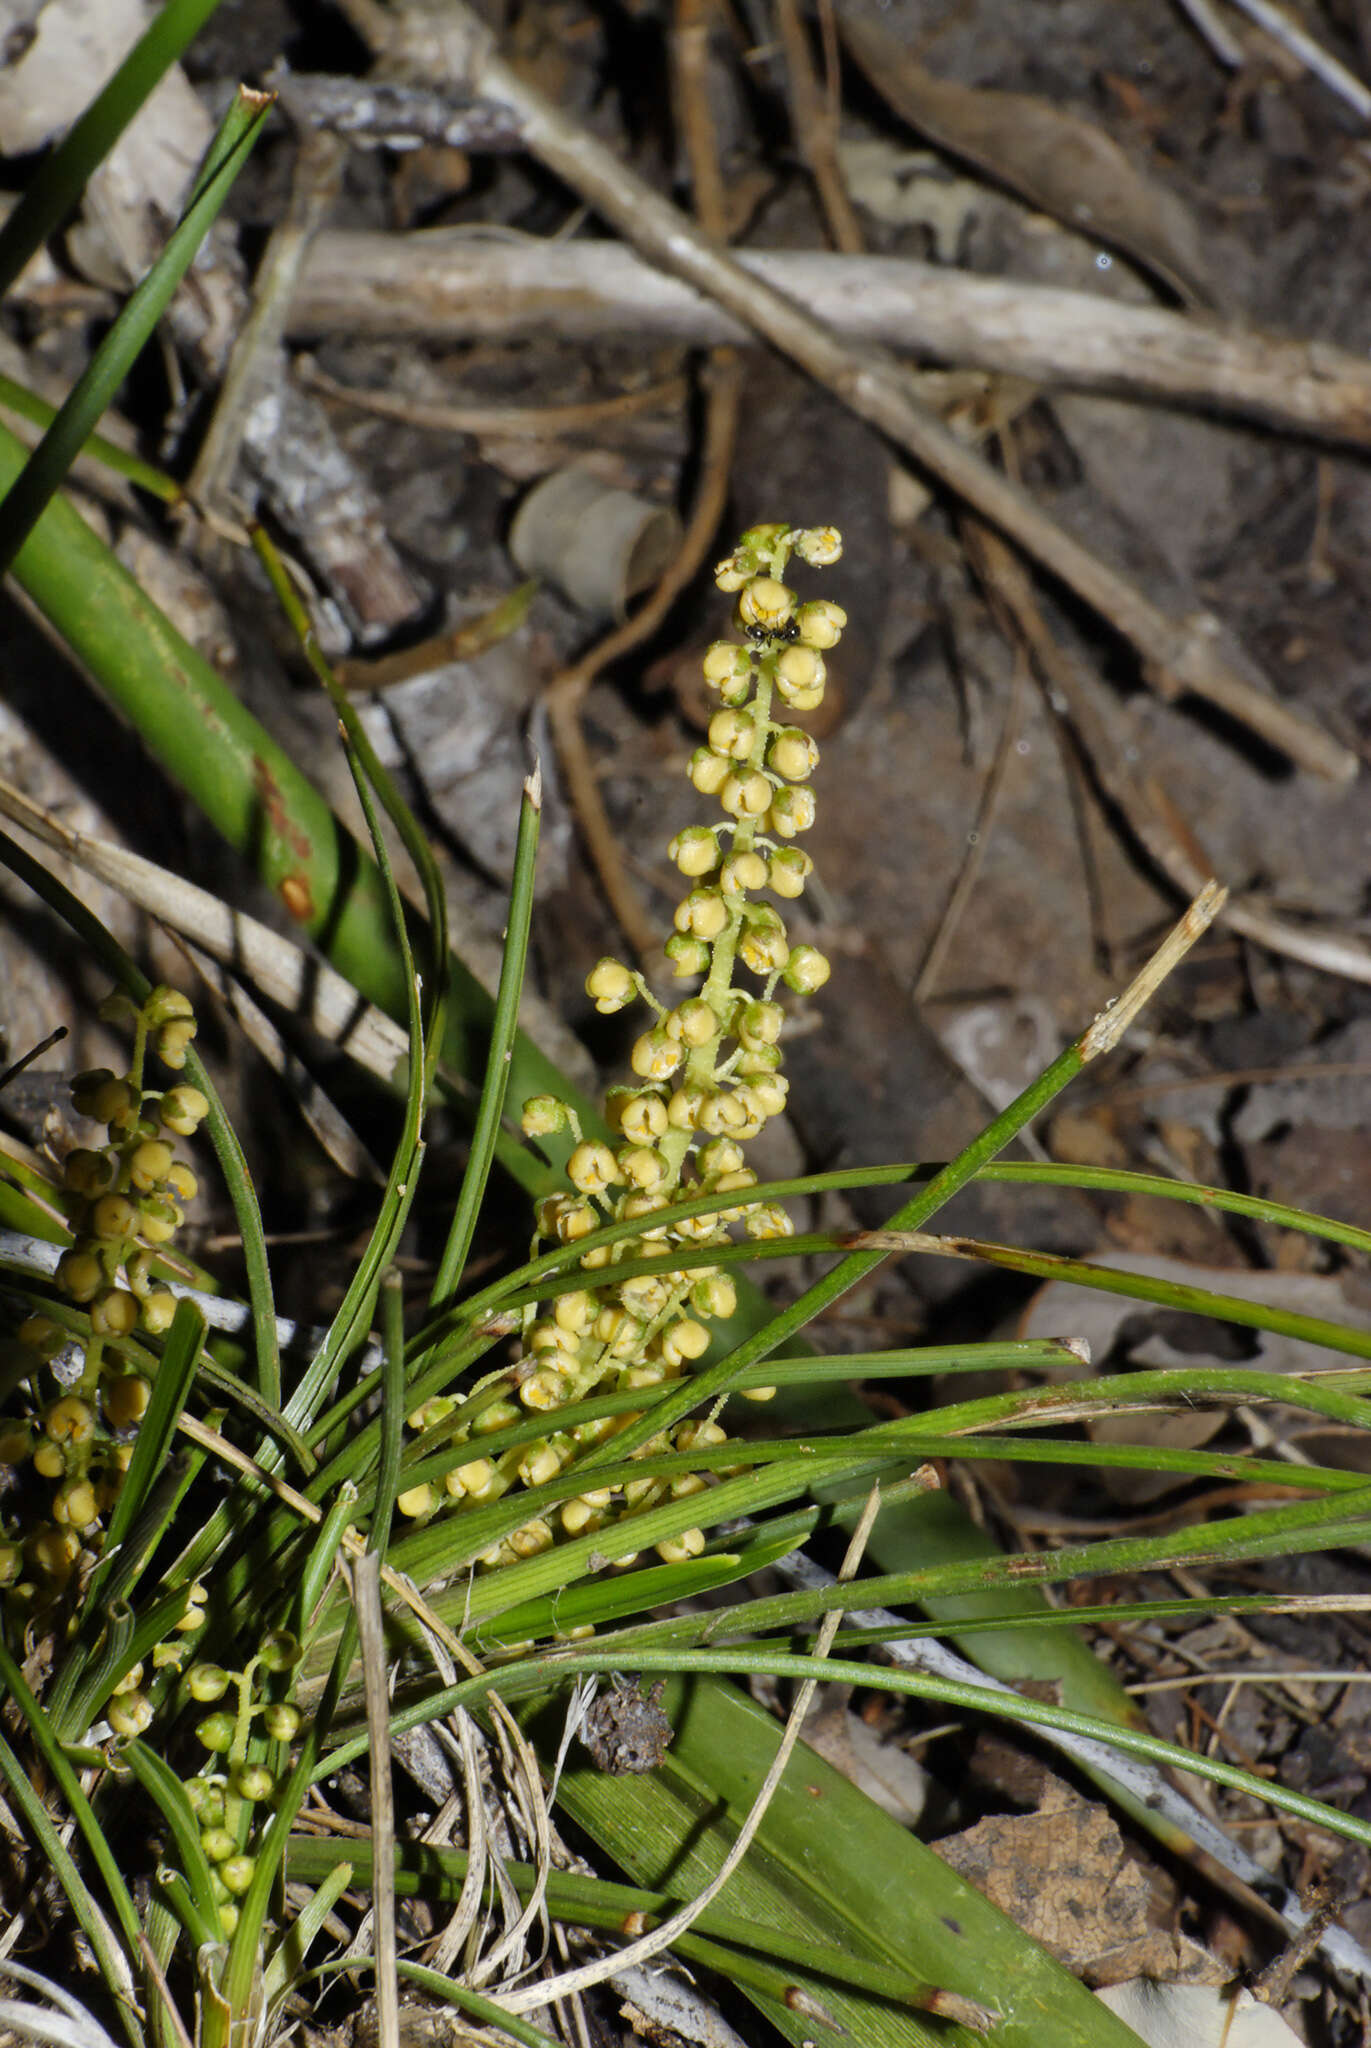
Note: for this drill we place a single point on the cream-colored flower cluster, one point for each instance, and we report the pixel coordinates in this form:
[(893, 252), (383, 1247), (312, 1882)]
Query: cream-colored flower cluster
[(80, 1394), (707, 1069)]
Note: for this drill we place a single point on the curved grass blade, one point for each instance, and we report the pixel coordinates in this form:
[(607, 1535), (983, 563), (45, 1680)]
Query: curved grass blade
[(76, 418), (61, 179)]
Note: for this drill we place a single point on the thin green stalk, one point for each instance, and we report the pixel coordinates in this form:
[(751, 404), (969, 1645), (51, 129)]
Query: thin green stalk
[(17, 398), (504, 1028)]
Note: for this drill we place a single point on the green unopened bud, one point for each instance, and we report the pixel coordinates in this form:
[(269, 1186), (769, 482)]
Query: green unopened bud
[(688, 955), (280, 1650), (216, 1733), (806, 970), (281, 1721), (100, 1093), (254, 1782), (129, 1713), (207, 1682), (237, 1874), (80, 1274), (89, 1173), (543, 1117), (113, 1216)]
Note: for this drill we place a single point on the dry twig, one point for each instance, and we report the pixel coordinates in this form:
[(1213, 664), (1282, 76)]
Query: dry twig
[(448, 284), (1177, 655)]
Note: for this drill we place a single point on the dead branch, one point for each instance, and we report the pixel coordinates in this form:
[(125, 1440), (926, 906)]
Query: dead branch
[(447, 284)]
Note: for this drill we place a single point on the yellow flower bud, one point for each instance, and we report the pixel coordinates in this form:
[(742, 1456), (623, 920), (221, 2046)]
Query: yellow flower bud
[(69, 1420), (820, 622), (683, 1341), (172, 1042), (680, 1549), (415, 1501), (126, 1399), (695, 851), (591, 1168), (793, 754), (183, 1109), (721, 1155), (692, 1023), (575, 1221), (799, 668), (725, 662), (572, 1312), (792, 811), (765, 1095), (538, 1463), (764, 605), (655, 1056), (113, 1216), (643, 1167), (611, 985), (746, 796), (766, 1220), (790, 869), (742, 872), (182, 1181), (699, 1436), (643, 1118), (129, 1713), (683, 1109), (733, 733), (703, 914), (74, 1504), (708, 771), (150, 1164), (534, 1538), (820, 546), (764, 946)]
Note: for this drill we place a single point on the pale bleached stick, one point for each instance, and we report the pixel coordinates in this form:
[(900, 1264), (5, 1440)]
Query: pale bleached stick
[(446, 284)]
